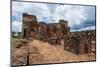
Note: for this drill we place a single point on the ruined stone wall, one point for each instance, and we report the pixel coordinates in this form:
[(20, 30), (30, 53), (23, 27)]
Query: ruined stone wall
[(80, 42), (40, 30), (29, 26), (54, 33)]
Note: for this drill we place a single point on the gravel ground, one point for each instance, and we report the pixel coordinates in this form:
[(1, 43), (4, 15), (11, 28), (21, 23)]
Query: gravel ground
[(40, 53)]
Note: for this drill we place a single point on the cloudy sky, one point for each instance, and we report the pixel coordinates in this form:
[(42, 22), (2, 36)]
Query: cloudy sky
[(79, 17)]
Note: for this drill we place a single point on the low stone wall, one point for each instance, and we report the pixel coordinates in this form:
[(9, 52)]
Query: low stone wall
[(78, 44)]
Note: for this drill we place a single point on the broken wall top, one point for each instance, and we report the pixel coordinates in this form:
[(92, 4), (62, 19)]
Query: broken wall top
[(29, 18)]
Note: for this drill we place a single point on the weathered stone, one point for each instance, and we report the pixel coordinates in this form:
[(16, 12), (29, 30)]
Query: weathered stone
[(29, 26), (77, 42)]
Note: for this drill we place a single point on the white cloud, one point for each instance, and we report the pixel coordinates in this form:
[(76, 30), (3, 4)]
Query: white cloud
[(16, 26), (51, 13), (88, 28), (74, 14), (38, 9), (85, 28)]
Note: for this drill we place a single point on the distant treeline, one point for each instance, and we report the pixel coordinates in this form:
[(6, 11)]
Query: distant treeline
[(16, 34)]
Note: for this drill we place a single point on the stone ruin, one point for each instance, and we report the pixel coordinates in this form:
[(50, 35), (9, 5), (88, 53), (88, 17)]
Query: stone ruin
[(82, 42), (76, 42), (51, 32)]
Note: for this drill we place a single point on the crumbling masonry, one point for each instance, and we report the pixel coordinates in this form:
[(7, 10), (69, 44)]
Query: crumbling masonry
[(76, 42)]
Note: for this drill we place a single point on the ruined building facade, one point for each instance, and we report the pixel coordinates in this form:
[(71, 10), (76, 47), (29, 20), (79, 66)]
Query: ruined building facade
[(77, 42), (51, 32)]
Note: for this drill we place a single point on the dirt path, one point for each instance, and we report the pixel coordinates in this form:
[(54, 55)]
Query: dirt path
[(47, 53), (38, 52)]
